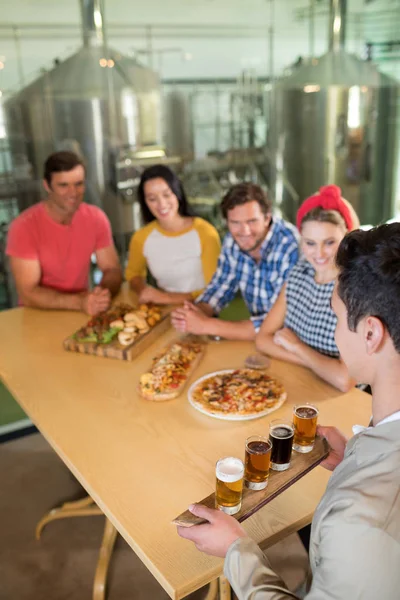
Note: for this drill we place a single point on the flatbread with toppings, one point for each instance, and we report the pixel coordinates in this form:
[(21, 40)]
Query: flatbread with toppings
[(170, 371), (237, 394)]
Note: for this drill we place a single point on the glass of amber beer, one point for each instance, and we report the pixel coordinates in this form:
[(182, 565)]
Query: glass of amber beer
[(281, 436), (229, 486), (257, 462), (305, 427)]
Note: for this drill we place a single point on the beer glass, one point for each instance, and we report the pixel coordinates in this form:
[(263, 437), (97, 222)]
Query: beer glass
[(305, 427), (281, 436), (257, 462), (229, 485)]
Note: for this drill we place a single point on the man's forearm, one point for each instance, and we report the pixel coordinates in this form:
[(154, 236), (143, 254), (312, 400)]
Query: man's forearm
[(42, 297), (111, 280), (205, 308), (231, 330), (250, 574), (173, 297), (137, 284)]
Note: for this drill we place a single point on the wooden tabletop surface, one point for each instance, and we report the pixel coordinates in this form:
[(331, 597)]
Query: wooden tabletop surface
[(143, 463)]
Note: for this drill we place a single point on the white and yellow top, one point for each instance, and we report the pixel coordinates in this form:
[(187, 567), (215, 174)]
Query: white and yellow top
[(181, 262)]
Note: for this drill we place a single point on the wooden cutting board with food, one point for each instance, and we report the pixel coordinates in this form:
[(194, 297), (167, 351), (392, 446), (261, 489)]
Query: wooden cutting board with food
[(171, 369), (122, 332)]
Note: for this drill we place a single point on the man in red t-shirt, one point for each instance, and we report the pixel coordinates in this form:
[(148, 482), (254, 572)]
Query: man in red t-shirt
[(51, 243)]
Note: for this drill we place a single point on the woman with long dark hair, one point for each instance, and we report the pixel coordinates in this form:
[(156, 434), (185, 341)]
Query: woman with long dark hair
[(180, 250)]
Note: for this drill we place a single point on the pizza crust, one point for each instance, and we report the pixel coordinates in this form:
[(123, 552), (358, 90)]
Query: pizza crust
[(157, 397)]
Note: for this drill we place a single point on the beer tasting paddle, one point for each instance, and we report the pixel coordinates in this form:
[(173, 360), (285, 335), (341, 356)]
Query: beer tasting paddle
[(278, 482)]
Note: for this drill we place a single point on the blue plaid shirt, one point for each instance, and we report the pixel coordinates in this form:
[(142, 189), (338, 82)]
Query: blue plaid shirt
[(259, 282)]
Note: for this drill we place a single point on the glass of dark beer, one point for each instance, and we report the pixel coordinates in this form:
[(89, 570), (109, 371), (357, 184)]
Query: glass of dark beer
[(229, 473), (257, 462), (281, 436), (305, 427)]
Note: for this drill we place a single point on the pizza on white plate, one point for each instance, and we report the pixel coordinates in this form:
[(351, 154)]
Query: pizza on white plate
[(237, 393)]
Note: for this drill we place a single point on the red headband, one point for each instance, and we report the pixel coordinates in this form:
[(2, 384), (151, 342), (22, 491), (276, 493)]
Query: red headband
[(329, 198)]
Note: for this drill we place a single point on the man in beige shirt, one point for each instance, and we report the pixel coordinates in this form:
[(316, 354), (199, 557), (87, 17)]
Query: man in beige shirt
[(355, 536)]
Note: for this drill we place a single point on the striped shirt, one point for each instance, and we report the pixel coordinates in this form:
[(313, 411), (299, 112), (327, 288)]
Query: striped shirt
[(259, 282)]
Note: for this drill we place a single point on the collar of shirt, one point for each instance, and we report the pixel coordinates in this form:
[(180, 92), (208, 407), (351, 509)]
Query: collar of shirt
[(305, 266), (360, 428), (273, 226)]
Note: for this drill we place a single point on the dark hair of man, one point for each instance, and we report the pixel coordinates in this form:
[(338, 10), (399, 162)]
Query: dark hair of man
[(369, 277), (174, 184), (242, 193), (321, 215), (59, 162)]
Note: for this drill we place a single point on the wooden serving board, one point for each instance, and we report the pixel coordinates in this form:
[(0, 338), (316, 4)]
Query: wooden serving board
[(114, 349), (279, 481)]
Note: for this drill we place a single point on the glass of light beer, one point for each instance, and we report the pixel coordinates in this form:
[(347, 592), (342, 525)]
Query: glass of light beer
[(305, 427), (257, 462), (281, 436), (229, 485)]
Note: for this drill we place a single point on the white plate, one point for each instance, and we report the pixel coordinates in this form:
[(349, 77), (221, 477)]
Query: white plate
[(227, 417)]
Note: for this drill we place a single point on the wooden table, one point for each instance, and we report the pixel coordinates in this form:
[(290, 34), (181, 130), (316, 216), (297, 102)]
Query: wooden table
[(144, 462)]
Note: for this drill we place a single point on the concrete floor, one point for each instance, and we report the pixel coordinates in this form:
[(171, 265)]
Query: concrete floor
[(61, 565)]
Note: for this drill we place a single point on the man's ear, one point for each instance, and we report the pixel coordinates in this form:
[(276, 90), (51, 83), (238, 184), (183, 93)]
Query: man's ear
[(46, 186), (374, 333)]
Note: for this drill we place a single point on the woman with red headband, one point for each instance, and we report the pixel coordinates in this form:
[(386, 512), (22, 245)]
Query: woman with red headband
[(300, 327)]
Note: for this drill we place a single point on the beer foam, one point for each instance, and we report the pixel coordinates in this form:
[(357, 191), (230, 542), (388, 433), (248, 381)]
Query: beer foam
[(281, 432), (306, 412), (229, 469)]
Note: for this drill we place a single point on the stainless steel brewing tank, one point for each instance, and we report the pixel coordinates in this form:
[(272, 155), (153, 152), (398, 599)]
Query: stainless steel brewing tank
[(178, 121), (334, 121), (147, 87), (93, 110)]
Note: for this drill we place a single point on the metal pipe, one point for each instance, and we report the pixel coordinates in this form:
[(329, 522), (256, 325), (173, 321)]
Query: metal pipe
[(311, 30), (17, 40), (233, 29), (271, 39), (149, 44), (127, 36), (92, 22), (337, 25), (217, 118)]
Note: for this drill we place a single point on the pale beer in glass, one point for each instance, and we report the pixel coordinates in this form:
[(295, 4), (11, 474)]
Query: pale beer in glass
[(229, 484), (305, 427)]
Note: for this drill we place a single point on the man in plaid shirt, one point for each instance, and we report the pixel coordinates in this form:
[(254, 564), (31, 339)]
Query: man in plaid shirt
[(256, 257)]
